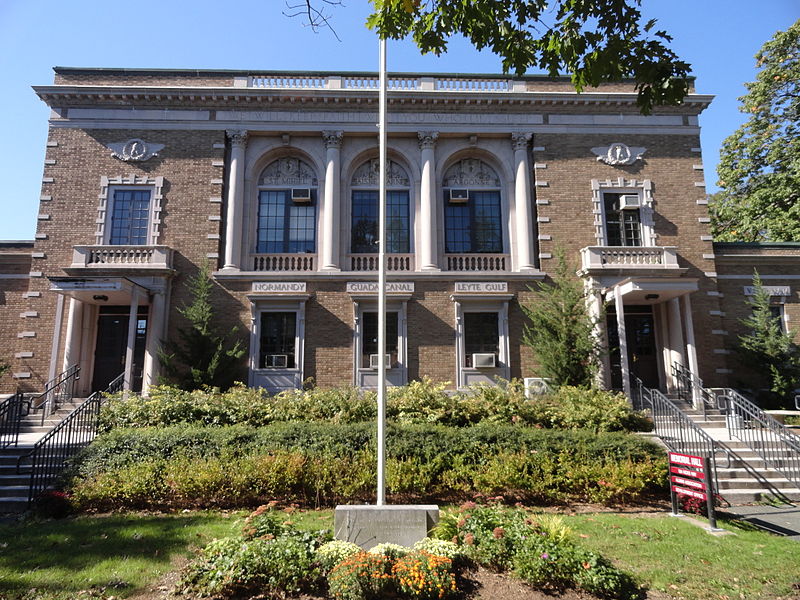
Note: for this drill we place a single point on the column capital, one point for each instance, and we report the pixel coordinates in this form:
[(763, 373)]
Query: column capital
[(332, 139), (427, 139), (520, 140), (237, 137)]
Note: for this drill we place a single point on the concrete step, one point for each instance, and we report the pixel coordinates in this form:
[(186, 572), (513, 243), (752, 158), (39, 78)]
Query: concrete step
[(754, 484), (13, 504), (13, 479), (748, 496), (13, 491)]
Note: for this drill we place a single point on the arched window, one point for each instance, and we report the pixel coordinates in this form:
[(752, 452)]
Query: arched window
[(364, 220), (287, 213), (472, 209)]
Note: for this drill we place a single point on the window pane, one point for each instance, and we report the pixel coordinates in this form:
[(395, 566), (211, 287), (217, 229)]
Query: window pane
[(369, 336), (397, 222), (481, 334), (130, 217), (623, 227), (364, 224), (475, 226), (284, 226), (277, 339)]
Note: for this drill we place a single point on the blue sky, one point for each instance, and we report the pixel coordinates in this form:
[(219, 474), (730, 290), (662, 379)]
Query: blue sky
[(718, 37)]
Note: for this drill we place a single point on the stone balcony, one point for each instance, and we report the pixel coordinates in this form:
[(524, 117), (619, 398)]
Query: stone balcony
[(122, 258), (394, 262), (628, 258), (482, 263), (283, 263)]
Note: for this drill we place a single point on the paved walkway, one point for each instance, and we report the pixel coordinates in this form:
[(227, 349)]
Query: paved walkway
[(782, 520)]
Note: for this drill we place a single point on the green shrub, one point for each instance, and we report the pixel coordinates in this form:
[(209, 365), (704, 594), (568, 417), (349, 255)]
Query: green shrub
[(423, 575), (332, 553), (233, 566), (193, 466), (418, 403), (545, 563), (362, 576)]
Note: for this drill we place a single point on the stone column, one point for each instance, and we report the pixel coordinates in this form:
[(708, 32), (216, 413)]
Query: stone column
[(155, 333), (522, 204), (330, 204), (594, 301), (72, 348), (132, 318), (676, 332), (428, 231), (691, 347), (623, 341), (234, 202)]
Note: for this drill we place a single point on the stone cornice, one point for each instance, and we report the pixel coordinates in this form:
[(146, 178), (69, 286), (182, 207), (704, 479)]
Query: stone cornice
[(58, 96)]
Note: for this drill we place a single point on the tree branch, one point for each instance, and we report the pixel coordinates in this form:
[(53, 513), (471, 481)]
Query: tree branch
[(314, 17)]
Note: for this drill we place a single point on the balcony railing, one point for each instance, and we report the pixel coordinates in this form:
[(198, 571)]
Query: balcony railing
[(477, 262), (629, 257), (122, 257), (369, 262), (286, 263), (399, 82)]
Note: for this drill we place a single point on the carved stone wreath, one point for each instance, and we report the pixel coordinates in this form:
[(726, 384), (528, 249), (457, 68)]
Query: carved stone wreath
[(288, 171), (471, 172), (368, 173), (618, 154), (134, 150)]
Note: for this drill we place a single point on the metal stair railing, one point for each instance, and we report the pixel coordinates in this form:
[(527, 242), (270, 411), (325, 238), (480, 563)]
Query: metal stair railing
[(690, 389), (776, 444), (12, 409), (48, 457), (678, 432), (58, 390)]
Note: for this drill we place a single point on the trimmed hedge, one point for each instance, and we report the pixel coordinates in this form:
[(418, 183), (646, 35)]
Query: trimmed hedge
[(323, 464), (420, 402)]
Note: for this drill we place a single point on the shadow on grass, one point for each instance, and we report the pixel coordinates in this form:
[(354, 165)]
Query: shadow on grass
[(120, 552)]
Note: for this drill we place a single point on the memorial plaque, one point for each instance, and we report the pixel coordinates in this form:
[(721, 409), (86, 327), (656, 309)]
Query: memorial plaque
[(370, 525), (279, 287)]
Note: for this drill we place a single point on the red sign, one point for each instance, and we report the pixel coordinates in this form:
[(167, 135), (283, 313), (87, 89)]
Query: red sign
[(686, 459), (687, 472), (698, 485), (688, 492)]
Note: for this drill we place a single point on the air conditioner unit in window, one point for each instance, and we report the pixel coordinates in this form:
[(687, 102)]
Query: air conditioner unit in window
[(629, 201), (301, 194), (483, 361), (373, 361), (276, 361), (459, 196), (536, 386)]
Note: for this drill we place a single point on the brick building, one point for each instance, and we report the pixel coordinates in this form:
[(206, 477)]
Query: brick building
[(272, 178)]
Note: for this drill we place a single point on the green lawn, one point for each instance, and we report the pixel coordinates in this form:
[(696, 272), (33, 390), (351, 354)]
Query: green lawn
[(123, 553)]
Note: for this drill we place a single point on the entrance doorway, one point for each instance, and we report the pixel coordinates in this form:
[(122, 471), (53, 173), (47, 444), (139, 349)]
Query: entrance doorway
[(641, 338), (111, 346)]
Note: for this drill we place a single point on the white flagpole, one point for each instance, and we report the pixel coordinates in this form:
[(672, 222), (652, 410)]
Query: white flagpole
[(381, 500)]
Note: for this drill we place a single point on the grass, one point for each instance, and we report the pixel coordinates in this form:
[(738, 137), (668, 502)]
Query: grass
[(106, 555), (120, 554), (684, 561)]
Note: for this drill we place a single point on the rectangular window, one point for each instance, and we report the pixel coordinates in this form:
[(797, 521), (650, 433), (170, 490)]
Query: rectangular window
[(481, 335), (369, 343), (364, 230), (777, 312), (285, 226), (623, 225), (277, 347), (474, 226), (130, 217)]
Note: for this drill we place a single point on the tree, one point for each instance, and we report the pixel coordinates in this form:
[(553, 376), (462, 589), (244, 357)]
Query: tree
[(560, 331), (595, 42), (201, 357), (759, 168), (768, 351)]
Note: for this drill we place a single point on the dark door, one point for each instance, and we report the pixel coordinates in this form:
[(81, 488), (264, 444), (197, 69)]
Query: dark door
[(112, 337), (642, 352)]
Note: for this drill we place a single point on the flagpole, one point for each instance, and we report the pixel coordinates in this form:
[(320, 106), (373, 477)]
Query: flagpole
[(381, 496)]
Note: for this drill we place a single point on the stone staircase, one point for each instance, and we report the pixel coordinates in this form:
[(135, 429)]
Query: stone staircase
[(14, 485), (743, 479)]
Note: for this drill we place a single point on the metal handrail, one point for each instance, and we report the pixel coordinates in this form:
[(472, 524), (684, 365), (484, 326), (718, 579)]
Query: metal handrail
[(58, 390), (678, 432), (690, 388), (775, 443), (50, 454), (11, 413)]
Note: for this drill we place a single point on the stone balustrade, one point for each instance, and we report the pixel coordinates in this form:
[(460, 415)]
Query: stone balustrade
[(121, 257), (369, 262), (284, 262), (477, 262), (407, 83), (629, 257)]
